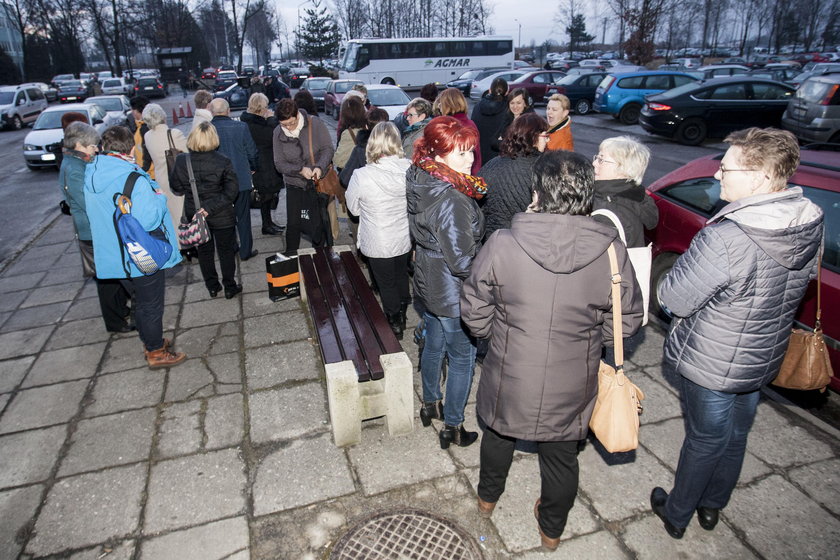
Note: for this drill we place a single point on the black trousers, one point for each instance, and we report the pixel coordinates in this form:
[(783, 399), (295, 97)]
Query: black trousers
[(265, 209), (558, 474), (224, 241), (242, 206), (113, 302), (391, 277), (148, 307), (296, 201)]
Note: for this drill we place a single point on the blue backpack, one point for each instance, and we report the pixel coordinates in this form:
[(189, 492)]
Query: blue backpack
[(148, 250)]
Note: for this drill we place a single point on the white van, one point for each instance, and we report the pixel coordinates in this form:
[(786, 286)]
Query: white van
[(20, 105)]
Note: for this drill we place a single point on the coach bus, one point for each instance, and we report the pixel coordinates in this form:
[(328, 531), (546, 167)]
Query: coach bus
[(415, 62)]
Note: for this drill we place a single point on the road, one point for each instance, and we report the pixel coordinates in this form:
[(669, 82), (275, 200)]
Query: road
[(29, 199)]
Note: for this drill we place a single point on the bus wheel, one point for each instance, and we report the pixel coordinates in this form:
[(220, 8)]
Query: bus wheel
[(388, 81)]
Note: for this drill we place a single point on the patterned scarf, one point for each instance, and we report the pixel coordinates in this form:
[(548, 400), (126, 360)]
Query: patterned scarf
[(470, 185), (125, 157)]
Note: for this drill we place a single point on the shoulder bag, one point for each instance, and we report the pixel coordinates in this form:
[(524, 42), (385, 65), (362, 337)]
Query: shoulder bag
[(328, 184), (171, 153), (615, 420), (806, 365), (192, 233), (640, 258)]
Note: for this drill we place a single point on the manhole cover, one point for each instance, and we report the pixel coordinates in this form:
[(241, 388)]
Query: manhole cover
[(404, 534)]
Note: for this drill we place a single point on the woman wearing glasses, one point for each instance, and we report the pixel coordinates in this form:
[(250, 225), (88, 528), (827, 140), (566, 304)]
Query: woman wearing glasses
[(418, 113)]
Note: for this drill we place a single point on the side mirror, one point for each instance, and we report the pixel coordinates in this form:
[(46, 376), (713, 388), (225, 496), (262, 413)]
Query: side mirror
[(21, 101)]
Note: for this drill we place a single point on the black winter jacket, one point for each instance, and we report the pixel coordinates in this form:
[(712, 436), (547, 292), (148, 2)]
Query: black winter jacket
[(265, 179), (735, 291), (216, 184), (446, 226), (508, 190), (629, 201), (506, 120), (487, 116)]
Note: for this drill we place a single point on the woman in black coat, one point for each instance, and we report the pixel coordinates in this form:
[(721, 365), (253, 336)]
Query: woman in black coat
[(261, 123), (488, 115), (217, 187), (519, 103)]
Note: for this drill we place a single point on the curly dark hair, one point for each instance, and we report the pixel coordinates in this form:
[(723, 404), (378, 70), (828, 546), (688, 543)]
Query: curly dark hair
[(564, 183), (521, 136)]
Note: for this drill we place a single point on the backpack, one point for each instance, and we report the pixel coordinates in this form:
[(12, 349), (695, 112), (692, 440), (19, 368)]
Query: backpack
[(148, 250)]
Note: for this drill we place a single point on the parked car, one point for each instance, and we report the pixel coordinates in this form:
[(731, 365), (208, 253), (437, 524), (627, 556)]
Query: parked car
[(248, 71), (149, 86), (482, 86), (522, 65), (61, 78), (735, 60), (21, 105), (690, 113), (72, 91), (785, 75), (600, 64), (391, 98), (335, 93), (813, 113), (208, 74), (117, 108), (49, 92), (563, 64), (296, 75), (690, 195), (722, 70), (623, 95), (236, 96), (224, 79), (689, 63), (116, 86), (536, 83), (816, 70), (465, 80), (42, 146), (317, 87), (579, 88)]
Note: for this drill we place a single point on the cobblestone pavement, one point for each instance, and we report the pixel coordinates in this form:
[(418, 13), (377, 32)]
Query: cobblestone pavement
[(230, 455)]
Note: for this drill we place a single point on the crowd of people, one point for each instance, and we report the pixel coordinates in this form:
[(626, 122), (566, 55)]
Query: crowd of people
[(484, 224)]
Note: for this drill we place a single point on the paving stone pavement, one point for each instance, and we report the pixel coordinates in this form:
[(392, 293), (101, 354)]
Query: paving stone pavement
[(230, 454)]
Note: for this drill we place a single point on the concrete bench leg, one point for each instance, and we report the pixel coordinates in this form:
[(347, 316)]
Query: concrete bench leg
[(343, 399), (399, 393)]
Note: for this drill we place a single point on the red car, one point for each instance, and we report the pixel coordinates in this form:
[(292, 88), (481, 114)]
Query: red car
[(334, 93), (537, 83), (690, 195)]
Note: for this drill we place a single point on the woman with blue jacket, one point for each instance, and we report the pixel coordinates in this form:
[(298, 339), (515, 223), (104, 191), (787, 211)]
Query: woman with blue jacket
[(106, 177)]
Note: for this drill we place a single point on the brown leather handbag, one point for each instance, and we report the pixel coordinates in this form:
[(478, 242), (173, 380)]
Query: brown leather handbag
[(807, 365), (328, 184)]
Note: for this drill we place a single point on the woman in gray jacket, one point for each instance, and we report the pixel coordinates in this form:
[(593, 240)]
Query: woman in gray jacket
[(734, 295), (541, 291)]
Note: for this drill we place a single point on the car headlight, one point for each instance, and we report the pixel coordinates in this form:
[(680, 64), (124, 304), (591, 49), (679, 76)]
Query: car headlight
[(30, 147)]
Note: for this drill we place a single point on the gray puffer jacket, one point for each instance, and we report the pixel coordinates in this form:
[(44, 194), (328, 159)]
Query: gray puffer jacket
[(447, 227), (736, 290)]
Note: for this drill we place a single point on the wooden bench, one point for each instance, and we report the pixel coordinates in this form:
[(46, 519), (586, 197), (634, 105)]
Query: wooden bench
[(368, 374)]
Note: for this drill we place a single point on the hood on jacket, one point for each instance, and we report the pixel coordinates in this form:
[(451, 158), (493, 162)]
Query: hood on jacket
[(490, 107), (626, 188), (786, 225), (561, 243), (424, 189)]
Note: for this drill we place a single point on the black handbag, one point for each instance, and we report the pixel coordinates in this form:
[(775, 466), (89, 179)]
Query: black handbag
[(171, 153), (314, 219)]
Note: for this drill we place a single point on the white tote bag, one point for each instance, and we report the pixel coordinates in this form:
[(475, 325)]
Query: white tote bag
[(640, 258)]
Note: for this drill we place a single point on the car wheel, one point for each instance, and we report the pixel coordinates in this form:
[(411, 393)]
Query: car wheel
[(583, 106), (389, 82), (629, 114), (335, 112), (691, 132), (661, 266), (17, 123)]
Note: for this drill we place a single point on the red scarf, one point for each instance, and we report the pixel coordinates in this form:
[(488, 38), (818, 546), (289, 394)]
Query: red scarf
[(470, 185)]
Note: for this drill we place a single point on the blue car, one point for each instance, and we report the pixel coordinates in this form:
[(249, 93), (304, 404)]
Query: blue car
[(623, 95)]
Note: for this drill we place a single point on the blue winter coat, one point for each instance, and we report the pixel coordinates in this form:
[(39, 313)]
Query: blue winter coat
[(236, 142), (104, 178), (71, 177)]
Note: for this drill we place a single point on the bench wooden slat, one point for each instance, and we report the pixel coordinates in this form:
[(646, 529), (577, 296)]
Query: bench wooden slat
[(359, 318), (343, 327), (330, 346), (387, 340)]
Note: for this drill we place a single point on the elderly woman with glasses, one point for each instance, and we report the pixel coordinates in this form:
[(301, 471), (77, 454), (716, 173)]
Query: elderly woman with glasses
[(156, 141), (418, 113)]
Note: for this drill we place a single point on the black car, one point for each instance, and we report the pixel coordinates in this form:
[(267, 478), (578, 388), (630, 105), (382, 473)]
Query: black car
[(248, 71), (317, 87), (236, 96), (579, 88), (691, 112), (297, 75), (465, 80), (224, 79), (148, 86), (72, 91)]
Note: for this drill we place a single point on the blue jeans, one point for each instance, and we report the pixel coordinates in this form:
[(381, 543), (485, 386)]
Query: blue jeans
[(716, 428), (446, 336)]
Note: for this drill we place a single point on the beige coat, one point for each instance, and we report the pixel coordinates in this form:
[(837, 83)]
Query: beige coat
[(157, 144)]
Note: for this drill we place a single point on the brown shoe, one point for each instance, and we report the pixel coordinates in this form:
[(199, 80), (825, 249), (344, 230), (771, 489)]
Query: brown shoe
[(163, 357), (547, 542), (485, 509)]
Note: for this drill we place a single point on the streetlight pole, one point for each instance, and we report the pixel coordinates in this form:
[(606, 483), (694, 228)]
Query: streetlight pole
[(520, 33)]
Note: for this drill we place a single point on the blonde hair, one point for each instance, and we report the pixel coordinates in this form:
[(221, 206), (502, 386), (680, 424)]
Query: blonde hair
[(203, 138), (257, 103), (630, 155), (384, 141), (449, 102), (563, 100), (202, 98)]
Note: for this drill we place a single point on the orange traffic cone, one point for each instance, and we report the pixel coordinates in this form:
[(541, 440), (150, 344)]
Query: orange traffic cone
[(180, 110), (189, 111), (174, 118)]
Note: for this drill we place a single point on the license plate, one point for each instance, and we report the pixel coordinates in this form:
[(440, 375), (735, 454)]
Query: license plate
[(72, 98), (47, 157), (148, 88)]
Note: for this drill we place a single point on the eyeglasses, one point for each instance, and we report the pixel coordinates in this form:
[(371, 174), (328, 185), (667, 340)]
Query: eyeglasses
[(724, 171), (411, 115), (598, 158)]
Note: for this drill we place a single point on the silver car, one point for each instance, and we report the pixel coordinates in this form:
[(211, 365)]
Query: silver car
[(42, 146), (813, 113)]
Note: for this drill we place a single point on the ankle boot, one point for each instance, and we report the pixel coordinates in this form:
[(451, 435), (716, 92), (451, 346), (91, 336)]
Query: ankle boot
[(164, 357), (396, 325), (547, 542), (429, 411), (456, 435), (403, 312)]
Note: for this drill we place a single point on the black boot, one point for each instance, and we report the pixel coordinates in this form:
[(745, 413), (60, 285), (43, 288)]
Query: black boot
[(429, 411), (396, 325), (456, 435), (403, 311)]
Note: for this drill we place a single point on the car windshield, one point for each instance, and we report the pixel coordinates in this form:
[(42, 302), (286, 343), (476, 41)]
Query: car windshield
[(318, 83), (71, 85), (469, 75), (51, 119), (344, 87), (387, 97), (7, 97), (568, 80), (146, 82), (107, 103), (111, 83)]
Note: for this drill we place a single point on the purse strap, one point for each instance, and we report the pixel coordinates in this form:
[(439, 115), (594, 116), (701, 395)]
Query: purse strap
[(192, 185), (311, 153), (169, 136), (618, 339), (817, 325)]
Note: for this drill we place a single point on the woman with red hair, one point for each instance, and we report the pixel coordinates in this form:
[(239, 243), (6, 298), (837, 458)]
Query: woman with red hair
[(447, 226)]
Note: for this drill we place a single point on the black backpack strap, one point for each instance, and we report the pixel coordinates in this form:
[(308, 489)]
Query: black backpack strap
[(129, 184), (128, 190)]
